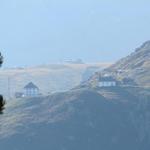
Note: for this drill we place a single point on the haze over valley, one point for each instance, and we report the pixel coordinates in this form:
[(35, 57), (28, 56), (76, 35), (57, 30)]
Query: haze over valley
[(49, 78), (75, 75)]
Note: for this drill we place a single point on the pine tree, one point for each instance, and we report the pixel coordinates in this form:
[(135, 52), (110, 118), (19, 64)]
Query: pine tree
[(1, 59), (2, 102)]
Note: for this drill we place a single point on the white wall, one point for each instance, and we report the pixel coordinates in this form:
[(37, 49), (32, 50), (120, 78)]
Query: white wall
[(107, 83)]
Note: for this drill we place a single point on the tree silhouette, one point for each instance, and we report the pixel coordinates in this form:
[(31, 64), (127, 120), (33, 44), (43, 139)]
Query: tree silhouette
[(2, 102), (1, 59)]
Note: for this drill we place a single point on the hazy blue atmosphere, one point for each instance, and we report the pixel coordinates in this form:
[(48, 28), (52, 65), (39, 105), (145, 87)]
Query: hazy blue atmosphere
[(50, 99), (53, 30)]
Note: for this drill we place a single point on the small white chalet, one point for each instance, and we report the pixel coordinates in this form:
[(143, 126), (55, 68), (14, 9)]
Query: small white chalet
[(107, 81), (31, 90)]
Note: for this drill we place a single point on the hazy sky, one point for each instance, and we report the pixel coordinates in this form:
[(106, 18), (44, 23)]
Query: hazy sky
[(42, 31)]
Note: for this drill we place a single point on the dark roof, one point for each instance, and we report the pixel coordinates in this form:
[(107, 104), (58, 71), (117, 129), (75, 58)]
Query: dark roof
[(31, 85), (109, 78)]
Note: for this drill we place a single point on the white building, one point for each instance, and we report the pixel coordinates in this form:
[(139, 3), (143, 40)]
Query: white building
[(107, 81), (31, 90)]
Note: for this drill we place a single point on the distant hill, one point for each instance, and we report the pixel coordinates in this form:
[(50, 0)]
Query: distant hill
[(49, 78), (81, 119), (136, 65)]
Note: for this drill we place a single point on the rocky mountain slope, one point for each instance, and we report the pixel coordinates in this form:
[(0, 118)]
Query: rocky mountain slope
[(136, 65), (49, 78), (79, 119)]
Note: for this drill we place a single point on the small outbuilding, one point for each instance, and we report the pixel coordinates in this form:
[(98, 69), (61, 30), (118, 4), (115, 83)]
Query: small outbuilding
[(128, 82), (31, 90), (19, 94)]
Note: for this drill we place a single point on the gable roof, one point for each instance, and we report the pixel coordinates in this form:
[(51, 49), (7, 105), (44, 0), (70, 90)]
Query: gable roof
[(108, 78), (31, 85)]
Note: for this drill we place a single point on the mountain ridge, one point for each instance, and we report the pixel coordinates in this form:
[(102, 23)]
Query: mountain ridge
[(135, 66)]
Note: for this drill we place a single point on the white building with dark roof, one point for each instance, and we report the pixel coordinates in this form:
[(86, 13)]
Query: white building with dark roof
[(31, 90), (107, 81)]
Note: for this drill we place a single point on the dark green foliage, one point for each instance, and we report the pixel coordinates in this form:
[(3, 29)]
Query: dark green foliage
[(2, 103), (1, 59)]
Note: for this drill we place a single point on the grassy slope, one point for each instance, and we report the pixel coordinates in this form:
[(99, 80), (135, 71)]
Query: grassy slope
[(78, 119), (136, 65)]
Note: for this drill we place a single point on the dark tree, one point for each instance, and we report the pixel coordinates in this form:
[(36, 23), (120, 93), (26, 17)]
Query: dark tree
[(1, 59), (2, 102)]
